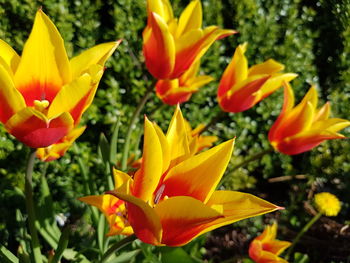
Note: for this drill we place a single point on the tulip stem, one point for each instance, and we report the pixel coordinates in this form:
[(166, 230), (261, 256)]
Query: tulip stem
[(30, 208), (246, 161), (301, 233), (132, 123), (122, 243)]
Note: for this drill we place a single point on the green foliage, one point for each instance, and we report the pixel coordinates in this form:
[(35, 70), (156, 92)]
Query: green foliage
[(310, 38)]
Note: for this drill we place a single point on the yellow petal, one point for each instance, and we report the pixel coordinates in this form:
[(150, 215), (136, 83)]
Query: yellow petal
[(235, 72), (182, 218), (162, 8), (71, 98), (143, 219), (235, 206), (323, 113), (199, 175), (11, 100), (177, 138), (9, 56), (147, 178), (165, 147), (95, 55), (122, 181), (158, 47), (191, 18), (44, 66), (268, 67)]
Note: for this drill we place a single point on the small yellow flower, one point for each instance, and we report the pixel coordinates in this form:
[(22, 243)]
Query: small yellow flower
[(327, 204)]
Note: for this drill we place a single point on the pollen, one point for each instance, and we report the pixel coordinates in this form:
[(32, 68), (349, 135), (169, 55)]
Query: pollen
[(327, 204), (41, 105)]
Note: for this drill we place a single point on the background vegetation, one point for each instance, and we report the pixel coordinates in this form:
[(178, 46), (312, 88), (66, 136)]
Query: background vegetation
[(310, 37)]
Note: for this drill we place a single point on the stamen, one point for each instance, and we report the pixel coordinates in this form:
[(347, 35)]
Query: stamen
[(41, 105), (159, 194)]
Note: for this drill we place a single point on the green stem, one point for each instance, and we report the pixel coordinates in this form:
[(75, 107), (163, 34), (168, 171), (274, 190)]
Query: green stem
[(30, 208), (246, 161), (301, 233), (133, 122), (122, 243)]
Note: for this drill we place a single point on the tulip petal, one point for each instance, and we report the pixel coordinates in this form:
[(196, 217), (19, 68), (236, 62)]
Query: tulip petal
[(143, 219), (288, 104), (192, 46), (120, 180), (72, 98), (187, 177), (274, 83), (305, 141), (235, 206), (323, 113), (95, 55), (11, 100), (162, 8), (9, 56), (245, 95), (182, 218), (35, 130), (147, 178), (268, 67), (235, 72), (44, 66), (165, 148), (178, 138), (58, 149), (159, 47), (191, 18)]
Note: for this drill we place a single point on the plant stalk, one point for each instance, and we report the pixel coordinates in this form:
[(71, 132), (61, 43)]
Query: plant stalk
[(30, 208), (301, 233), (133, 122), (122, 243)]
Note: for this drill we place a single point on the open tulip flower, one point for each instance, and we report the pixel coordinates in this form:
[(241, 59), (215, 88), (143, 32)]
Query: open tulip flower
[(241, 88), (58, 149), (172, 199), (171, 46), (300, 128), (266, 248), (42, 94), (179, 90)]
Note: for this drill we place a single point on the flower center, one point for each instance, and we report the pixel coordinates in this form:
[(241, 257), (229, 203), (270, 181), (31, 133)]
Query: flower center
[(41, 105)]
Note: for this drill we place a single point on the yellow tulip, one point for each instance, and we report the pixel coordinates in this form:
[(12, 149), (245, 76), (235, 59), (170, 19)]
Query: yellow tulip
[(171, 45), (172, 198), (43, 94)]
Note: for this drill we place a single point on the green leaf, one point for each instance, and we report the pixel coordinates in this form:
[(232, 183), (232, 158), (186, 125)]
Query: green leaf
[(301, 258), (175, 255), (104, 149), (62, 245), (125, 257), (114, 142), (101, 233), (7, 255)]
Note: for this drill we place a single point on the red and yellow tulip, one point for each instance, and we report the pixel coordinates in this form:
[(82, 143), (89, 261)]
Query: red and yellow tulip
[(300, 128), (172, 45), (43, 94), (58, 149), (172, 199), (179, 90), (266, 248), (241, 87)]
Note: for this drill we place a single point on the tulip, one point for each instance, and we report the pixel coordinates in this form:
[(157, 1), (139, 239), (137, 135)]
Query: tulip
[(171, 46), (113, 208), (179, 90), (172, 199), (58, 149), (300, 128), (266, 249), (241, 88), (42, 94)]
